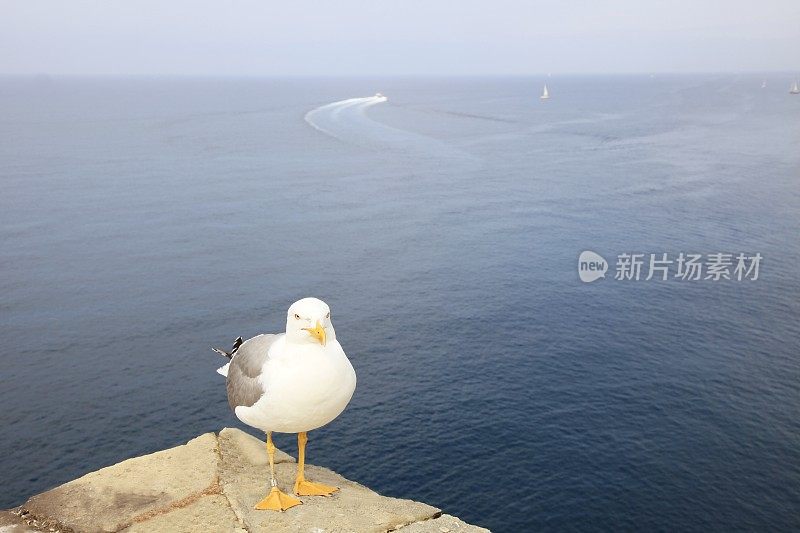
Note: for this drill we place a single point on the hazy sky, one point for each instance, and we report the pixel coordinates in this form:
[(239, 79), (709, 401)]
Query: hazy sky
[(400, 37)]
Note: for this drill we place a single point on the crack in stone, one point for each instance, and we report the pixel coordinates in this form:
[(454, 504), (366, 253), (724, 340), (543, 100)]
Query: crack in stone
[(211, 490), (239, 518), (40, 524), (434, 516), (214, 488)]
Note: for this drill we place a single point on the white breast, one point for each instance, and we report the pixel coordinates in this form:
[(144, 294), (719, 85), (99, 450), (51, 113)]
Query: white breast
[(306, 388)]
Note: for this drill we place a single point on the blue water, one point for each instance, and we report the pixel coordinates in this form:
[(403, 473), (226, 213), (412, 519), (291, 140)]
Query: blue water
[(144, 220)]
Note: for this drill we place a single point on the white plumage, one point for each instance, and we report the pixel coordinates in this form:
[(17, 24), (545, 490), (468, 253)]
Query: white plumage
[(305, 387), (295, 381)]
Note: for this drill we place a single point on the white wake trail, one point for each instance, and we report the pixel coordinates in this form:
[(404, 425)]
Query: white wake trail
[(339, 119), (348, 121)]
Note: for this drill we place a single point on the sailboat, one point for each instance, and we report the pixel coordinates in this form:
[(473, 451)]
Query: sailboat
[(795, 89), (546, 95), (764, 84)]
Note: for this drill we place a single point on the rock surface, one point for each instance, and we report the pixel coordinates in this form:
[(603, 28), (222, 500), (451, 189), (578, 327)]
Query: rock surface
[(212, 483)]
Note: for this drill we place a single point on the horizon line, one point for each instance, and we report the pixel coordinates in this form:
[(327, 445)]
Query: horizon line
[(394, 75)]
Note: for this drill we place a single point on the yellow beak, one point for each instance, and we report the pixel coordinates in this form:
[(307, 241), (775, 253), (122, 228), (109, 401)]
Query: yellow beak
[(318, 333)]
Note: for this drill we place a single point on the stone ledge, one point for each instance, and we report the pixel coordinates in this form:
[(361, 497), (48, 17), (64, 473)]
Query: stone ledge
[(212, 483)]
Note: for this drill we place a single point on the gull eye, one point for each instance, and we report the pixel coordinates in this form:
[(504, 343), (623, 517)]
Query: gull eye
[(328, 315), (296, 316)]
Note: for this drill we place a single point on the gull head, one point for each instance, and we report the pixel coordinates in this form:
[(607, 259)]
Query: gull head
[(309, 321)]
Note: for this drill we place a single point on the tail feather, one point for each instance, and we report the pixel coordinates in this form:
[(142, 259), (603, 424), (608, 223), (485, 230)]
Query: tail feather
[(222, 352), (223, 370)]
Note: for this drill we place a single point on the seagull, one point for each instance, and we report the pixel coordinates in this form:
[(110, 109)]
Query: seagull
[(290, 382)]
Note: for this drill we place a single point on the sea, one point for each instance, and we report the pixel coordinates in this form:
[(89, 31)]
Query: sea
[(145, 220)]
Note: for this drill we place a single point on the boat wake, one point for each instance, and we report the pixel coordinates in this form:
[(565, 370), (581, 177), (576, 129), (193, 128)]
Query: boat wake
[(348, 121), (339, 119)]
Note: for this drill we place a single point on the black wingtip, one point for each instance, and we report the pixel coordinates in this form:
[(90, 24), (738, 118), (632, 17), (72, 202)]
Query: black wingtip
[(238, 342)]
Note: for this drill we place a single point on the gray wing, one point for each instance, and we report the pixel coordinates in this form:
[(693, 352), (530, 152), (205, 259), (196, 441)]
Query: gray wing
[(245, 368)]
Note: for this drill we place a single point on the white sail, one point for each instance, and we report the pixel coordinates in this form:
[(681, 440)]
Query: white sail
[(545, 93), (795, 89)]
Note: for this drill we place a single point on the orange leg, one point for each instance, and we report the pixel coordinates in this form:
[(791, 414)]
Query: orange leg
[(301, 486), (276, 500)]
